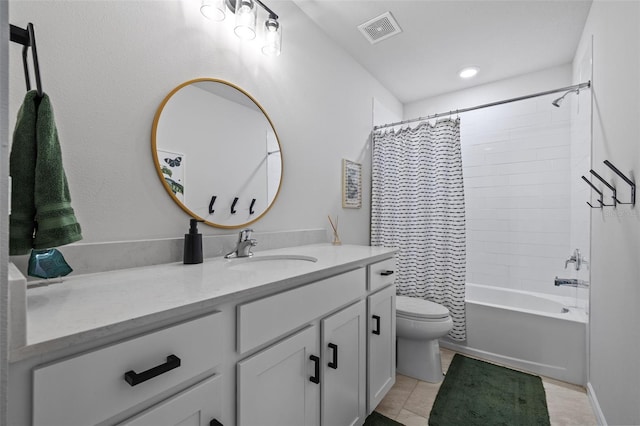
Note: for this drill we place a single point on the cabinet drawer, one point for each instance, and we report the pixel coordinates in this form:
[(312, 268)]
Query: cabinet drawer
[(90, 388), (199, 405), (266, 319), (382, 274)]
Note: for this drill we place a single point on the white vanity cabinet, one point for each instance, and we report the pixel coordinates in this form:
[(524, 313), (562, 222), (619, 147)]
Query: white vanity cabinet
[(92, 387), (381, 346), (381, 333), (343, 368), (277, 386), (318, 375), (313, 345)]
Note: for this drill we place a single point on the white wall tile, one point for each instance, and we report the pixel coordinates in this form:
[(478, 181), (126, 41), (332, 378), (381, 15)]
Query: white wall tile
[(517, 171)]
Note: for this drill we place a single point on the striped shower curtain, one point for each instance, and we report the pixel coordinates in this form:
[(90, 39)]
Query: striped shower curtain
[(417, 204)]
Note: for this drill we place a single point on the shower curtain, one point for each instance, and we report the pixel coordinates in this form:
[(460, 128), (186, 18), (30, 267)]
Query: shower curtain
[(417, 205)]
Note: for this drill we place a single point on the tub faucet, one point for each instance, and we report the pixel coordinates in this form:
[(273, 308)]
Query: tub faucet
[(243, 248), (571, 282)]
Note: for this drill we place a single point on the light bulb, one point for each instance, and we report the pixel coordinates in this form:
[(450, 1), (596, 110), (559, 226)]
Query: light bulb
[(246, 13), (273, 37), (213, 9)]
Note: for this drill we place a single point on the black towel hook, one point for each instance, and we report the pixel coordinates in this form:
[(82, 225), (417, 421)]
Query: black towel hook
[(608, 185), (600, 200), (628, 181), (213, 200), (27, 38)]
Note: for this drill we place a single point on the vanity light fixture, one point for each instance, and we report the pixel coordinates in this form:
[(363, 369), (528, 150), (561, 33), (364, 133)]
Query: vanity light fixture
[(468, 72), (246, 12)]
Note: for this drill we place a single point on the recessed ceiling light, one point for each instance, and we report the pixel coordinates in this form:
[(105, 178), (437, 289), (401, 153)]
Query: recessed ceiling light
[(468, 72)]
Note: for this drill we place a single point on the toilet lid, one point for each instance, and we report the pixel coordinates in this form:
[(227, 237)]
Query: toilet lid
[(413, 307)]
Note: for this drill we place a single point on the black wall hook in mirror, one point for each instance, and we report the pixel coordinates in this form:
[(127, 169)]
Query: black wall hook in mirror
[(599, 193), (213, 200), (233, 205), (629, 182), (253, 202)]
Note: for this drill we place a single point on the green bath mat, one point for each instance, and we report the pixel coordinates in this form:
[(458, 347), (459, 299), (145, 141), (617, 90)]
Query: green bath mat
[(478, 393), (377, 419)]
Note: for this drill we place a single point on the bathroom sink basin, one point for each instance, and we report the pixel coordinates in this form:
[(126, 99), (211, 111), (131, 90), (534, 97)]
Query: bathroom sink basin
[(272, 262)]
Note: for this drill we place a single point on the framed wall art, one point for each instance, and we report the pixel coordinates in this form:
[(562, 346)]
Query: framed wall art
[(351, 185), (172, 166)]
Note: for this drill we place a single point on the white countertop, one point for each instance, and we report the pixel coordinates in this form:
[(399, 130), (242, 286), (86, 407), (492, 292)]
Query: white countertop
[(86, 307)]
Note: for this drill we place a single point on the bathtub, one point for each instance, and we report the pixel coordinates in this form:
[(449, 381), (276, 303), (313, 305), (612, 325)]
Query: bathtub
[(535, 332)]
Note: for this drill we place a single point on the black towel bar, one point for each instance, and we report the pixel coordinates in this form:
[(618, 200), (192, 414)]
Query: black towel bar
[(27, 38)]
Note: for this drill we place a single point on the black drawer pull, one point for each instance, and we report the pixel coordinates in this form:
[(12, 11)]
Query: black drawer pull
[(134, 378), (215, 422), (385, 273), (376, 318), (316, 369), (333, 364)]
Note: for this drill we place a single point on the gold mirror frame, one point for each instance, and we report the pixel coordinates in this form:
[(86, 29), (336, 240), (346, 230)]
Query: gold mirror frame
[(158, 166)]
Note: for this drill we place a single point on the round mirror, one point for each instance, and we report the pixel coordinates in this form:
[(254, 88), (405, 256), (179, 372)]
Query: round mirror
[(217, 153)]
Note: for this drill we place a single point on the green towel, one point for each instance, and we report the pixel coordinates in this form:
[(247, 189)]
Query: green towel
[(41, 213)]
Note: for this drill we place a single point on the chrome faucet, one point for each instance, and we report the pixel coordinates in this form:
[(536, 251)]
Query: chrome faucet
[(571, 282), (243, 248), (576, 259)]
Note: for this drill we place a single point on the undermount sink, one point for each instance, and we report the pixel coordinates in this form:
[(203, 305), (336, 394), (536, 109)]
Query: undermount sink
[(272, 262)]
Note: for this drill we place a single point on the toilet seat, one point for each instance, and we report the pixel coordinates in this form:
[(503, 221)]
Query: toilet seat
[(419, 309)]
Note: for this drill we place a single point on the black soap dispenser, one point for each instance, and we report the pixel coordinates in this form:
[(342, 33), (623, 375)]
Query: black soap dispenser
[(193, 244)]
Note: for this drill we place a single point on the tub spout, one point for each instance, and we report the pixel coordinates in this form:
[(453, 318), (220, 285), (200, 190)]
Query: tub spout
[(571, 282)]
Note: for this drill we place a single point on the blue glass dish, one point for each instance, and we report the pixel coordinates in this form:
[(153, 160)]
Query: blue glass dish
[(48, 263)]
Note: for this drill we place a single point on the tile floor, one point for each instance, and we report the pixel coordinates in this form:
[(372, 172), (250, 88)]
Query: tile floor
[(409, 401)]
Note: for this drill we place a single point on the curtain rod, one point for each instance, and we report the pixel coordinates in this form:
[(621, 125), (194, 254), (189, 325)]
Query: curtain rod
[(506, 101)]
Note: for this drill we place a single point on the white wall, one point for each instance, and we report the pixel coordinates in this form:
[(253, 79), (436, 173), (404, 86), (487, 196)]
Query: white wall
[(517, 173), (107, 65), (614, 380)]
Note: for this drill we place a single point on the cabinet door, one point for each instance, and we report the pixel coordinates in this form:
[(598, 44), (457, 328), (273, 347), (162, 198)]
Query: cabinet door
[(344, 376), (281, 385), (381, 345), (197, 406)]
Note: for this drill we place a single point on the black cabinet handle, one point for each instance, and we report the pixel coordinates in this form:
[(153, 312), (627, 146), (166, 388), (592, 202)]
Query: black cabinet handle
[(134, 378), (215, 422), (385, 273), (376, 318), (334, 364), (316, 376)]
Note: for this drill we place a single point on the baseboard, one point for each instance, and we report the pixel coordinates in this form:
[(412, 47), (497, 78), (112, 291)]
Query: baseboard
[(591, 393)]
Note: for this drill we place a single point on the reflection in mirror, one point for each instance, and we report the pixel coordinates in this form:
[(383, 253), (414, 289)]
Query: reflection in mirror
[(217, 153)]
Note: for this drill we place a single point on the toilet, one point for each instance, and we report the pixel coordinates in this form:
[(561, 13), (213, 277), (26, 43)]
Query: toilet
[(419, 325)]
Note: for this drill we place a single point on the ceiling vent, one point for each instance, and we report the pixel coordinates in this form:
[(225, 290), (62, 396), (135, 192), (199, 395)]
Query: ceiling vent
[(380, 28)]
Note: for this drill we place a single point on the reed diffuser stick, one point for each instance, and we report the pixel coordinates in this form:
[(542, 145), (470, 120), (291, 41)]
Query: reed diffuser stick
[(336, 238)]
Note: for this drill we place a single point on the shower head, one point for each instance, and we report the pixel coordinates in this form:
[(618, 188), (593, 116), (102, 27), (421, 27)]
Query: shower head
[(558, 101)]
